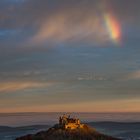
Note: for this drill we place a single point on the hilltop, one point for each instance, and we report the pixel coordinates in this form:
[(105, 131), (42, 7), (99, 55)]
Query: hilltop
[(68, 129), (54, 133)]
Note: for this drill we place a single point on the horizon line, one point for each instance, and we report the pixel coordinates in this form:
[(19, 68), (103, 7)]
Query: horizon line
[(66, 112)]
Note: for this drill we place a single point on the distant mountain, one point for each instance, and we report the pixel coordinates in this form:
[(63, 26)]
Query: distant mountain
[(5, 128), (10, 133), (124, 130), (23, 128), (117, 125), (57, 133)]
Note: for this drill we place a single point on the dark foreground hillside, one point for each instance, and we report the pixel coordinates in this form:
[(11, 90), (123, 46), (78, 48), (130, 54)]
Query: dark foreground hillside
[(54, 133)]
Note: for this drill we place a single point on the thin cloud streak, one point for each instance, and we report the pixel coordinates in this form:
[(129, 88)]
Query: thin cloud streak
[(132, 76), (17, 86)]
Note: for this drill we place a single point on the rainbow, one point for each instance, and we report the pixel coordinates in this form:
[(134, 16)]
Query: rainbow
[(113, 27)]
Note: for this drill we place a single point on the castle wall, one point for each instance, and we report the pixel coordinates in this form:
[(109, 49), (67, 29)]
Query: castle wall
[(73, 126)]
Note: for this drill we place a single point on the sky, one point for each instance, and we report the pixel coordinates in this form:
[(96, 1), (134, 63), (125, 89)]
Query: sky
[(69, 56)]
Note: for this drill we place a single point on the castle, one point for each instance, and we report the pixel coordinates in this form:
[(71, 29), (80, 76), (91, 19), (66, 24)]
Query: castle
[(69, 123)]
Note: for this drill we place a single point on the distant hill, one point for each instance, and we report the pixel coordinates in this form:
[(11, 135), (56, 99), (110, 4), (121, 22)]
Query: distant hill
[(10, 133), (117, 125), (5, 129), (56, 133), (23, 128), (124, 130)]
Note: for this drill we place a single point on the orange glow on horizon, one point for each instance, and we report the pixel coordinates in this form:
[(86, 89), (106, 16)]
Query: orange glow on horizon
[(96, 106)]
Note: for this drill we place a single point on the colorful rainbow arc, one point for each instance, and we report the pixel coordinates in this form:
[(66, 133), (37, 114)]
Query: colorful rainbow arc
[(113, 27)]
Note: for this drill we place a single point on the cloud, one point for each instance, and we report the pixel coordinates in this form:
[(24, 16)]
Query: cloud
[(71, 27), (91, 77), (133, 76), (64, 21), (81, 21), (16, 86)]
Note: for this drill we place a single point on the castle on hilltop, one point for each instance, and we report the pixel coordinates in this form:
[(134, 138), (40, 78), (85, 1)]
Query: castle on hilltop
[(69, 123)]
